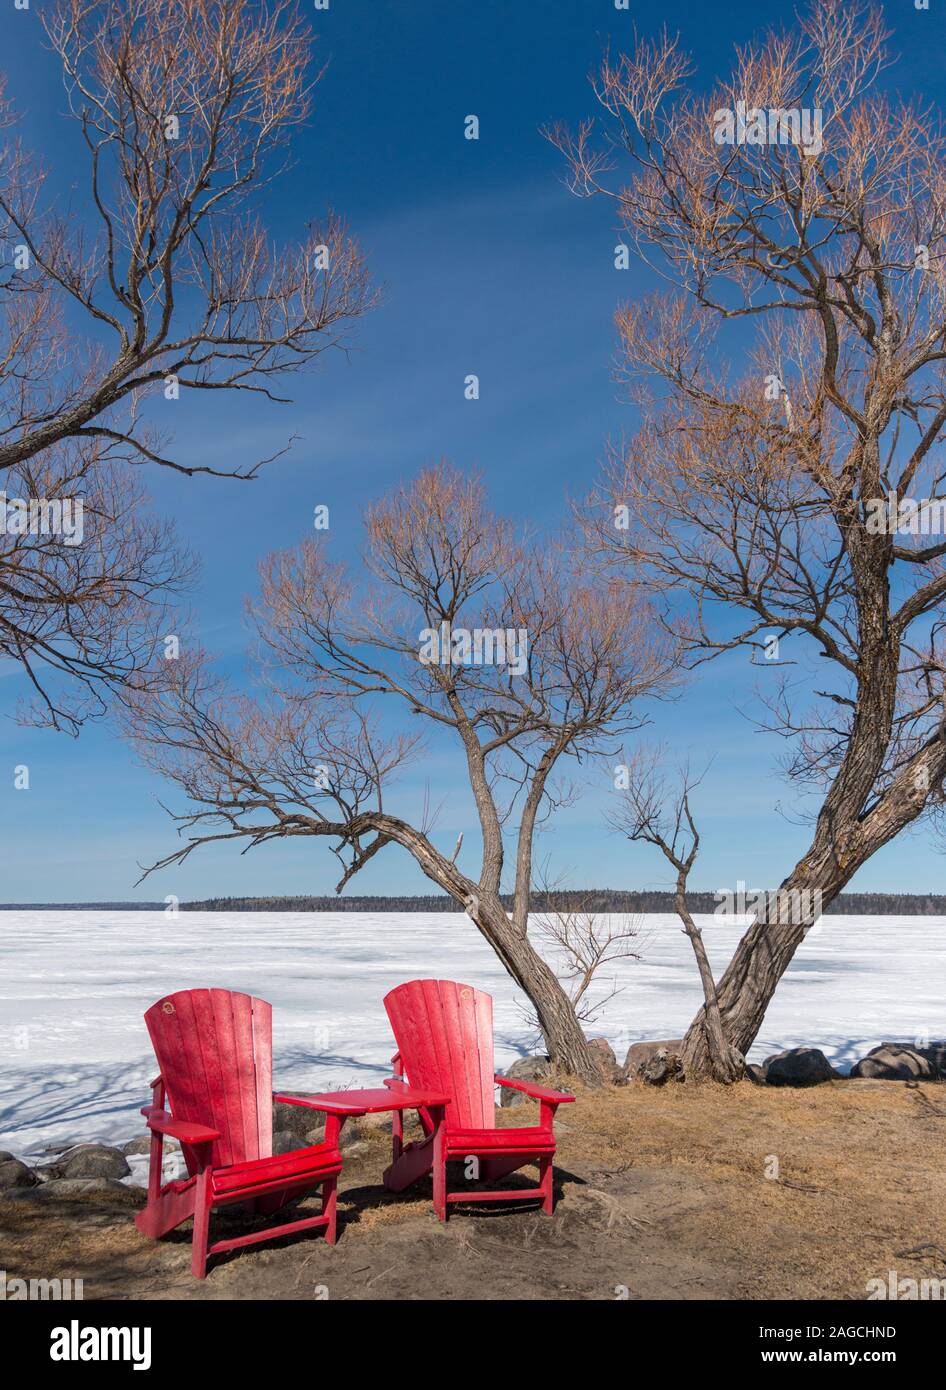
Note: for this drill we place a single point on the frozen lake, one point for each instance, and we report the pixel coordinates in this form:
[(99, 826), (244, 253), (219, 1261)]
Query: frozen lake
[(74, 986)]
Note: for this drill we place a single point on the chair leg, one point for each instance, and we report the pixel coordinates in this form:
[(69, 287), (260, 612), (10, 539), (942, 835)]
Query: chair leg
[(397, 1135), (440, 1174), (545, 1182), (155, 1166), (201, 1226), (329, 1207)]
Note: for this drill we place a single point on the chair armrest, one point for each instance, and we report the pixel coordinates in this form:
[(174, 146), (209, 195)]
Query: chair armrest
[(530, 1088), (184, 1130)]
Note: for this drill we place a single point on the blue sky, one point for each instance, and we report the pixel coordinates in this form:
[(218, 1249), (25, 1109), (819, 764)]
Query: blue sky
[(489, 266)]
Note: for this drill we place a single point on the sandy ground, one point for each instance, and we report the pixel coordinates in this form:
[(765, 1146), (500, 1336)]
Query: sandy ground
[(680, 1193)]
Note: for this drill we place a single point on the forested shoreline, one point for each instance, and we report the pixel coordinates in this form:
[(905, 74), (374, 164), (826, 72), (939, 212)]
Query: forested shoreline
[(592, 900)]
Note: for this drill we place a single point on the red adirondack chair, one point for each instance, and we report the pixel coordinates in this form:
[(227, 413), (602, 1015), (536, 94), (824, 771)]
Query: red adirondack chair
[(214, 1051), (444, 1034)]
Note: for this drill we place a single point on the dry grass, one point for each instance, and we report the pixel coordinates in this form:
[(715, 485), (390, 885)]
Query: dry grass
[(815, 1190)]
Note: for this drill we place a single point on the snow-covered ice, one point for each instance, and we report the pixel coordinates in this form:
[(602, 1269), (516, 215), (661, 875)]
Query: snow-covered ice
[(74, 986)]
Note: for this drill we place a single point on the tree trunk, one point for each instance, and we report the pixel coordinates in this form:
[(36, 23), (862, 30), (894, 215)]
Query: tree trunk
[(723, 1061), (567, 1045), (766, 950)]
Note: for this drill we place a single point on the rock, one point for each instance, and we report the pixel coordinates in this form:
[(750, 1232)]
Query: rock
[(297, 1119), (138, 1146), (5, 1155), (284, 1141), (798, 1066), (935, 1054), (357, 1149), (892, 1062), (662, 1066), (13, 1173), (755, 1074), (508, 1098), (640, 1052), (90, 1161), (64, 1188), (379, 1120), (534, 1068), (605, 1058), (352, 1135)]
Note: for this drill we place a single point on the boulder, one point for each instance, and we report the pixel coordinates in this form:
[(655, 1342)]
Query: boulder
[(798, 1066), (605, 1057), (357, 1149), (893, 1062), (13, 1173), (755, 1074), (65, 1188), (90, 1161), (296, 1119), (381, 1119), (534, 1068), (640, 1052), (660, 1067), (141, 1145), (284, 1141), (351, 1135), (935, 1054)]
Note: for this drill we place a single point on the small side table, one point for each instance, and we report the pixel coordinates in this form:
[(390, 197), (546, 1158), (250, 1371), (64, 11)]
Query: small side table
[(408, 1162)]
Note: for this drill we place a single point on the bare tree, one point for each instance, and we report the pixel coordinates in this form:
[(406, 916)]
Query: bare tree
[(771, 497), (162, 280), (504, 644), (583, 942), (651, 812)]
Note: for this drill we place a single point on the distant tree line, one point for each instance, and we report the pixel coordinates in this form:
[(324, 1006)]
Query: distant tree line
[(575, 900), (585, 900)]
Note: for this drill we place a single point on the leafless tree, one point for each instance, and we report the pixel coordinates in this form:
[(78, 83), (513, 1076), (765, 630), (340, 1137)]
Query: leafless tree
[(651, 812), (313, 758), (760, 496), (161, 280), (583, 942)]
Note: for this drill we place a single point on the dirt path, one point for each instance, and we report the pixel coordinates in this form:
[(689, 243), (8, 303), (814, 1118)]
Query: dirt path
[(665, 1194)]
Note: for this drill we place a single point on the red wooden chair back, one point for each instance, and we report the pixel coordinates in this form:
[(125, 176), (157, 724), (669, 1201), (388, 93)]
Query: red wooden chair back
[(444, 1034), (215, 1054)]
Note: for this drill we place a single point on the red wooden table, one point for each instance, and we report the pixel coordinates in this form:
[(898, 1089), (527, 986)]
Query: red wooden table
[(339, 1106)]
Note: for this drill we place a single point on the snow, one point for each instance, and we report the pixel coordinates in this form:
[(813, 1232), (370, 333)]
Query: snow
[(74, 986)]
